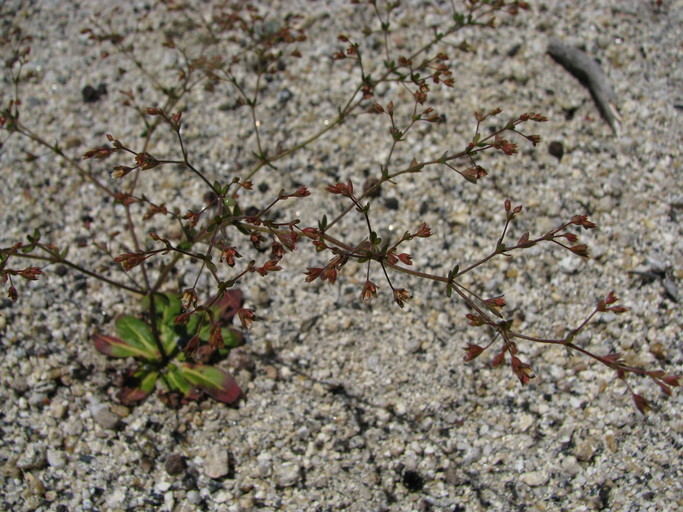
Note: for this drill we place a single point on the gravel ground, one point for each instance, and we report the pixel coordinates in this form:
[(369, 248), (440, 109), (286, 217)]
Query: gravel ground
[(350, 406)]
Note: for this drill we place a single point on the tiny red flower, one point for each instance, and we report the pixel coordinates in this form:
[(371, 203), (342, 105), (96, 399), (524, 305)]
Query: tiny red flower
[(247, 317), (498, 360), (311, 233), (192, 345), (474, 320), (120, 171), (131, 259), (313, 273), (301, 192), (30, 273), (216, 337), (641, 404), (474, 173), (401, 295), (228, 254), (146, 161), (522, 370), (369, 291), (472, 352), (582, 220), (330, 274), (423, 231), (580, 250), (189, 298), (269, 266), (99, 153), (405, 259), (495, 305), (534, 139), (672, 380), (345, 189), (192, 217), (183, 318)]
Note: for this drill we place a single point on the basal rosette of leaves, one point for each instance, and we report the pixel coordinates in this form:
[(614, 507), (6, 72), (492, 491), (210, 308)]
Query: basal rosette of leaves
[(194, 339)]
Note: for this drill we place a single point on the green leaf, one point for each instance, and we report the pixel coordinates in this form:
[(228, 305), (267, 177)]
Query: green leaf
[(213, 381), (143, 384), (138, 335), (169, 331), (232, 337), (176, 381)]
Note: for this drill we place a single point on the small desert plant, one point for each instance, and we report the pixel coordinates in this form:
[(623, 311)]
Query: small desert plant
[(228, 242)]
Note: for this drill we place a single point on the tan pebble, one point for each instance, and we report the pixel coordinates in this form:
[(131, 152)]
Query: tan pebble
[(10, 469), (585, 450), (611, 443), (70, 443), (72, 141), (55, 373), (657, 350), (271, 372), (512, 273), (35, 484), (120, 410)]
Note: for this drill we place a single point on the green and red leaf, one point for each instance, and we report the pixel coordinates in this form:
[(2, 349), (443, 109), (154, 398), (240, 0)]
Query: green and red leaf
[(215, 382), (137, 334), (145, 384), (116, 347)]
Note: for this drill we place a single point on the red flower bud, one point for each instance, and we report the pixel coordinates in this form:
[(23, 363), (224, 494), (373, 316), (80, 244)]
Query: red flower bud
[(672, 380), (246, 317), (369, 291), (405, 259), (401, 295), (30, 273), (641, 404), (522, 370), (580, 250), (423, 231), (472, 352), (216, 337)]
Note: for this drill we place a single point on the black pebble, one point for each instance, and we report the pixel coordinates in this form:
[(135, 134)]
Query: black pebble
[(391, 203), (413, 481), (556, 148), (91, 95), (175, 464)]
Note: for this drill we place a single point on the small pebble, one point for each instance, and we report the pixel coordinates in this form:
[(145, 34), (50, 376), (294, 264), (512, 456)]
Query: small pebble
[(287, 474), (585, 450), (104, 417), (175, 464), (216, 464), (535, 478), (56, 458), (556, 148)]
